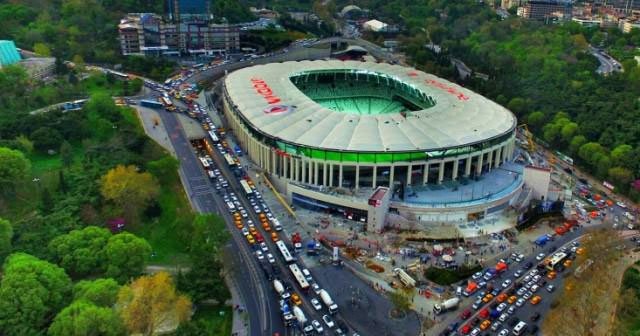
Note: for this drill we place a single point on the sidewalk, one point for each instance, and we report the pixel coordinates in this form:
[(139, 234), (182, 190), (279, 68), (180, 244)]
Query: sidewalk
[(149, 118), (240, 326)]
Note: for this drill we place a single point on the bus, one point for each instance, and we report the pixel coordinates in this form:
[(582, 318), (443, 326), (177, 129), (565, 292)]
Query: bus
[(230, 161), (302, 281), (284, 251), (198, 66), (214, 137), (555, 260), (247, 189)]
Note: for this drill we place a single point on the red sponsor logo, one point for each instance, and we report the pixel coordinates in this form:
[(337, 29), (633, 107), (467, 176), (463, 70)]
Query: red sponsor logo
[(264, 90), (412, 74), (450, 89), (277, 109)]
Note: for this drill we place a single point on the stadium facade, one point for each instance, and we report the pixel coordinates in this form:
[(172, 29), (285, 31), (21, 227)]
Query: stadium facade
[(329, 133)]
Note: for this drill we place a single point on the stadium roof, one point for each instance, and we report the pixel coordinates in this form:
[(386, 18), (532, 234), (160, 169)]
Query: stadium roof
[(460, 117)]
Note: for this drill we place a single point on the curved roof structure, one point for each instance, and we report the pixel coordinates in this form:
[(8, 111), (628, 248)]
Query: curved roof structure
[(269, 101)]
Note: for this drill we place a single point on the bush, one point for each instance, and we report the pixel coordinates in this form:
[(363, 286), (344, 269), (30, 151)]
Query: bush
[(443, 276)]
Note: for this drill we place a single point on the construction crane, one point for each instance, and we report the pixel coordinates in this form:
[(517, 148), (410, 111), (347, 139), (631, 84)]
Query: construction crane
[(531, 145)]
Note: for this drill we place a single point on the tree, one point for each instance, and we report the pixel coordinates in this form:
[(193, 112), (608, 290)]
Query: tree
[(6, 234), (126, 256), (620, 177), (66, 154), (129, 189), (42, 49), (517, 105), (31, 292), (81, 252), (25, 145), (622, 156), (152, 302), (576, 143), (535, 118), (401, 299), (14, 167), (83, 318), (100, 292), (46, 138), (164, 167), (46, 201)]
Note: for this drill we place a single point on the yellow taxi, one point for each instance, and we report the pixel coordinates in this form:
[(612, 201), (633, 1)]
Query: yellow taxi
[(485, 324), (296, 299), (266, 226), (251, 240), (580, 251), (552, 275), (239, 224), (567, 263), (274, 236), (252, 230), (501, 297), (512, 299), (487, 298), (536, 299)]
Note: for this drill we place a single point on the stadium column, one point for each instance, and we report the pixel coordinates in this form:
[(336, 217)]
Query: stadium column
[(467, 167), (409, 168), (498, 154), (392, 170), (454, 173), (425, 174), (479, 166), (285, 166), (375, 175), (441, 172), (296, 171), (324, 174), (357, 176), (303, 164), (315, 173), (490, 159), (340, 176)]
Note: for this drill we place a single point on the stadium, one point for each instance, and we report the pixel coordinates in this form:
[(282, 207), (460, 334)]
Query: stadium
[(329, 133)]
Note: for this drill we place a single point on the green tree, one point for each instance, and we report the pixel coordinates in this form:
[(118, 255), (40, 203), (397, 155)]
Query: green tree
[(46, 138), (25, 145), (100, 292), (46, 201), (42, 50), (577, 142), (517, 105), (83, 318), (591, 152), (535, 119), (66, 154), (126, 256), (164, 167), (14, 167), (622, 156), (620, 177), (31, 292), (6, 234), (81, 252), (129, 189)]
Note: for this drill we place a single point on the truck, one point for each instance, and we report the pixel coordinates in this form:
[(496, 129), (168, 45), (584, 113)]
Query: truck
[(296, 240), (446, 305), (326, 298), (542, 240), (286, 313), (151, 103), (406, 279), (501, 267), (299, 314), (277, 285), (312, 247)]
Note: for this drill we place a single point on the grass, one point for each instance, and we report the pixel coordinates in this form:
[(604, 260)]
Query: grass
[(219, 319), (99, 83)]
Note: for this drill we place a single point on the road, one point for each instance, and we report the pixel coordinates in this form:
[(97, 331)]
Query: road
[(263, 314), (607, 64)]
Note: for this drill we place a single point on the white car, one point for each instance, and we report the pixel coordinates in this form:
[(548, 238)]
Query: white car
[(503, 317), (534, 288), (316, 288), (622, 205), (245, 231), (517, 274), (257, 209), (476, 276), (503, 332), (506, 283), (316, 304), (271, 259), (540, 256), (328, 321), (316, 325), (520, 302), (501, 307), (264, 247), (527, 295), (512, 309), (260, 255)]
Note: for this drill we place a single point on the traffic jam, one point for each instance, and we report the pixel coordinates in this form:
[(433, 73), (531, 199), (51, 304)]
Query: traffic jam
[(258, 235), (511, 297)]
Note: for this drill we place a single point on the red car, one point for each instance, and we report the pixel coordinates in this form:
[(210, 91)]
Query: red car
[(484, 313), (466, 329), (465, 314)]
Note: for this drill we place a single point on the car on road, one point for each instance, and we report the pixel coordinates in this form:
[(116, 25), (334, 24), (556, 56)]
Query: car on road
[(534, 288), (476, 276), (270, 258), (317, 326), (264, 247), (316, 304), (535, 300), (259, 255), (520, 302), (503, 317), (551, 288), (316, 288), (535, 317), (328, 321), (527, 295), (552, 275), (540, 256), (517, 273), (501, 307), (485, 324), (506, 283), (503, 332), (296, 299), (496, 325), (245, 231), (476, 305)]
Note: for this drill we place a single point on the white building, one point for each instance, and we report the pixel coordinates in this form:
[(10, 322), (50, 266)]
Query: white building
[(375, 25)]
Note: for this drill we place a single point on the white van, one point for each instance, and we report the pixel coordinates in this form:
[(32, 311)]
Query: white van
[(232, 208), (276, 224), (520, 328)]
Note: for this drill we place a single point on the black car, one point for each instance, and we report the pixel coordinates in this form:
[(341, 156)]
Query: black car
[(528, 265), (475, 321), (535, 317)]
